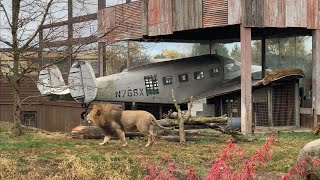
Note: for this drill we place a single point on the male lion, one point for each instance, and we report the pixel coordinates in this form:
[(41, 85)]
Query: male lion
[(112, 119)]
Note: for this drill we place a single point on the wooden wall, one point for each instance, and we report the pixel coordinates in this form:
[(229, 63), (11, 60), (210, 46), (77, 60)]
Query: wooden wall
[(159, 21), (51, 116), (28, 88), (120, 22), (163, 17), (215, 13), (186, 14), (59, 116)]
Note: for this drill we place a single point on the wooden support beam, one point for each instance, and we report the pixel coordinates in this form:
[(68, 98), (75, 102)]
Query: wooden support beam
[(263, 57), (78, 19), (246, 91), (70, 31), (102, 58), (40, 50), (315, 75)]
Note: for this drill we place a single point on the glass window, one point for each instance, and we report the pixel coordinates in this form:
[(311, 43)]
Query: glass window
[(213, 72), (198, 75), (167, 80), (292, 52), (29, 118), (151, 83), (183, 77)]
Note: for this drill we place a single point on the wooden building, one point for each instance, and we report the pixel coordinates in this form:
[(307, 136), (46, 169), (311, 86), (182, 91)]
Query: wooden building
[(214, 20)]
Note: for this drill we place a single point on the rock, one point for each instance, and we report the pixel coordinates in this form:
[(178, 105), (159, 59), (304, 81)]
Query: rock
[(312, 149)]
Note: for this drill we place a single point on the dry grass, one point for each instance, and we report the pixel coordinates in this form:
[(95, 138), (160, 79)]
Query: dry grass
[(43, 155)]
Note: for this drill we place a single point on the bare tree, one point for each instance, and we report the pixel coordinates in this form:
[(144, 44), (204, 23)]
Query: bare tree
[(22, 23), (182, 118)]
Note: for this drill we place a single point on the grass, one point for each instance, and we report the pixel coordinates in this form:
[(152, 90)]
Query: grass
[(37, 155)]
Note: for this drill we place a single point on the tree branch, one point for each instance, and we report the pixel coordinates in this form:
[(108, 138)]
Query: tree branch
[(6, 14), (46, 12)]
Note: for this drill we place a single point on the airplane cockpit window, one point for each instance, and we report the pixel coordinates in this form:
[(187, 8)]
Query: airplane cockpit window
[(213, 72), (198, 75), (183, 77), (232, 66), (167, 80), (151, 83)]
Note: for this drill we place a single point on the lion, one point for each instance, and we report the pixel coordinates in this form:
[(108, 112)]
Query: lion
[(276, 74), (112, 119)]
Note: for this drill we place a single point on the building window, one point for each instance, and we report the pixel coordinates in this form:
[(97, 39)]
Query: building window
[(183, 77), (151, 84), (198, 75), (167, 80), (213, 72), (29, 118)]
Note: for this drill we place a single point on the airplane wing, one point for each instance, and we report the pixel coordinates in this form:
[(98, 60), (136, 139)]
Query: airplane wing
[(235, 84)]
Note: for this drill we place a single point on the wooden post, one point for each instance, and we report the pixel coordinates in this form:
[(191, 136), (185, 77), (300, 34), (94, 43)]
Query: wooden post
[(315, 75), (297, 105), (102, 46), (40, 50), (270, 114), (70, 31), (246, 91), (263, 57)]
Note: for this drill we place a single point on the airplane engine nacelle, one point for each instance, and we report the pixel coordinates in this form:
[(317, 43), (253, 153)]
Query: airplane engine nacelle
[(82, 82)]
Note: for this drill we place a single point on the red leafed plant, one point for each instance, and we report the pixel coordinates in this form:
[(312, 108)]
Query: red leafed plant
[(300, 169), (156, 174), (230, 165), (224, 167)]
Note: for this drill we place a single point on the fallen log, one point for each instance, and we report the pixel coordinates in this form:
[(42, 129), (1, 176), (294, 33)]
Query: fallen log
[(94, 132), (87, 132), (194, 121)]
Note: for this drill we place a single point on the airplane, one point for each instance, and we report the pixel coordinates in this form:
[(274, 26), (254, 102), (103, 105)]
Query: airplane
[(150, 83)]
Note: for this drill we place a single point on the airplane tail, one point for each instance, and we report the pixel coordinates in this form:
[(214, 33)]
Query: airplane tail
[(51, 82), (82, 84)]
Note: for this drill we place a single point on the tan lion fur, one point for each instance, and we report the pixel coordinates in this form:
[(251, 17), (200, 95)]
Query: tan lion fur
[(112, 119), (273, 75)]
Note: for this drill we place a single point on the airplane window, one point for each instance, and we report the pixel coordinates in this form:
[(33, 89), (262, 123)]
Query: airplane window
[(183, 77), (167, 80), (151, 83), (213, 72), (198, 75), (233, 66)]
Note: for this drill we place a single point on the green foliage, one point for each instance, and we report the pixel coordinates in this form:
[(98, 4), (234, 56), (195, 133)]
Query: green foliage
[(221, 49), (200, 49), (235, 53), (169, 54)]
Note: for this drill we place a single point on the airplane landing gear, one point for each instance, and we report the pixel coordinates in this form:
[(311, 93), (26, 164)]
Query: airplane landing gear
[(85, 112)]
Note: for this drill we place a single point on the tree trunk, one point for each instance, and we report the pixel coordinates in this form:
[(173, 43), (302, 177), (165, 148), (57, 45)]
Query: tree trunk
[(16, 109), (182, 133)]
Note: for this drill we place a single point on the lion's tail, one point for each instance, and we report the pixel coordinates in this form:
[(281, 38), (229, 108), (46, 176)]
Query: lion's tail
[(156, 123)]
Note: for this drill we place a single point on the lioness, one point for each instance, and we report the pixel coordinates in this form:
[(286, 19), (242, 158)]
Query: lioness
[(112, 119)]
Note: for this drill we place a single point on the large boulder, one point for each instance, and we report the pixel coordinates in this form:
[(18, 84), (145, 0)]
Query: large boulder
[(312, 149)]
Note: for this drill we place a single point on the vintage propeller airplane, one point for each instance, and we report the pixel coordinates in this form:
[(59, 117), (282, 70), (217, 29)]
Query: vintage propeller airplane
[(151, 83)]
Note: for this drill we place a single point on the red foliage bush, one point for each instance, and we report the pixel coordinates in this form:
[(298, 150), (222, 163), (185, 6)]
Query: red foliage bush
[(300, 169), (231, 165)]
